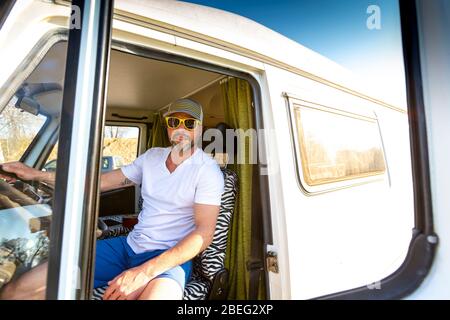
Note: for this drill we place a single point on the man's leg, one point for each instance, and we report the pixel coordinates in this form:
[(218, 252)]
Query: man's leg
[(162, 289), (109, 262), (168, 285), (30, 286)]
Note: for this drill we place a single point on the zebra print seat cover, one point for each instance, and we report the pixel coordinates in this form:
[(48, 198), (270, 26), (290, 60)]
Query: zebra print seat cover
[(208, 263)]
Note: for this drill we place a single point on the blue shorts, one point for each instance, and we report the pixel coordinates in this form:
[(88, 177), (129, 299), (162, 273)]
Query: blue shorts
[(114, 256)]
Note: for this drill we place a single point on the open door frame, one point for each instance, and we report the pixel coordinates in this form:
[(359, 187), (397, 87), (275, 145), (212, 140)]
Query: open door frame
[(72, 238)]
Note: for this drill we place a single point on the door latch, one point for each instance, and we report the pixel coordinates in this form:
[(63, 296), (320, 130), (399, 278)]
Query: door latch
[(272, 262)]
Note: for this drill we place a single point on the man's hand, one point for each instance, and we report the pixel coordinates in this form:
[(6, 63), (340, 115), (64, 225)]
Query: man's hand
[(129, 284), (21, 170)]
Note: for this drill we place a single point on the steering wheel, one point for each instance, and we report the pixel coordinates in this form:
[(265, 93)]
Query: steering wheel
[(30, 192), (24, 192)]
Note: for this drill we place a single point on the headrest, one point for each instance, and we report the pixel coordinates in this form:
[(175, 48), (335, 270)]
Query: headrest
[(221, 154), (221, 159), (222, 127)]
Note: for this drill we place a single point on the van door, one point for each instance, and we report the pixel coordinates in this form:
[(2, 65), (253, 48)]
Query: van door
[(76, 188)]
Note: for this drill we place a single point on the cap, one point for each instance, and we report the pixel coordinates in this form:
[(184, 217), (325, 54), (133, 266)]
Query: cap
[(188, 106)]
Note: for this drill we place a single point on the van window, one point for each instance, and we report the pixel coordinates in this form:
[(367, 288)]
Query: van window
[(122, 142), (28, 124), (335, 146), (120, 147), (18, 128)]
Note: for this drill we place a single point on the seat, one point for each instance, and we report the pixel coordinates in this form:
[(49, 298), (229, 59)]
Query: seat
[(209, 279)]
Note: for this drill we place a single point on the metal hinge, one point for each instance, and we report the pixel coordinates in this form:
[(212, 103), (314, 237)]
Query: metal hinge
[(272, 261)]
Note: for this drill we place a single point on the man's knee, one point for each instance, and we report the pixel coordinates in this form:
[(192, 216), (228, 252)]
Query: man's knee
[(29, 286), (162, 289), (9, 292), (18, 290)]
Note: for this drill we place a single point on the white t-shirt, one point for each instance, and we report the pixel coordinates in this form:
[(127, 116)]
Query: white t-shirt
[(167, 215)]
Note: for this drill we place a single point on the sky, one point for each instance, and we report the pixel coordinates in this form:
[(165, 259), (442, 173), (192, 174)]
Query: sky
[(338, 30)]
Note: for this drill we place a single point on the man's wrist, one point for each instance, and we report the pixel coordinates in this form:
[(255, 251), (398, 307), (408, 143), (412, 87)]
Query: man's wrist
[(149, 268), (47, 177)]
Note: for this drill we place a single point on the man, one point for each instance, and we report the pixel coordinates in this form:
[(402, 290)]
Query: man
[(181, 187)]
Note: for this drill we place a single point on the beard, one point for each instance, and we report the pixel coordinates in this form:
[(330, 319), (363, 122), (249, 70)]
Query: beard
[(183, 145), (180, 147)]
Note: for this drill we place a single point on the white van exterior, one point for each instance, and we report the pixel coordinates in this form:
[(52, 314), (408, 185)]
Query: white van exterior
[(328, 237)]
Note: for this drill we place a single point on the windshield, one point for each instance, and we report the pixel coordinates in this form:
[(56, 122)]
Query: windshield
[(17, 130), (28, 129)]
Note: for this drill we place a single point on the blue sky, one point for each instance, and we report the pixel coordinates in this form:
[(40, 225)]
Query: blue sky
[(336, 29)]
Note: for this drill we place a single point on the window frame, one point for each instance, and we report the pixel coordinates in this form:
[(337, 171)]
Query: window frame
[(298, 150), (261, 215)]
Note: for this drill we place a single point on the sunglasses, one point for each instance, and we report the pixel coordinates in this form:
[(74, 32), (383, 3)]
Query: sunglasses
[(189, 124)]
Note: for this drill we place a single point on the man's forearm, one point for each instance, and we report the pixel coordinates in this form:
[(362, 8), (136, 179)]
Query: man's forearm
[(46, 177), (111, 180), (194, 243)]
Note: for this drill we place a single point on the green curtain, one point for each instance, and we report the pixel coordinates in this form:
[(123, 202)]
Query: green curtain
[(237, 98), (158, 137)]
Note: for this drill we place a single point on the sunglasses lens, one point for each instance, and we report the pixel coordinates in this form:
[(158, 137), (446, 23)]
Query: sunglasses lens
[(173, 122), (190, 124)]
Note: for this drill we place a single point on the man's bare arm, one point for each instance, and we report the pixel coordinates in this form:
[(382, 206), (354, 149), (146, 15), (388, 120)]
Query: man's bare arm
[(109, 180), (24, 172), (190, 246), (113, 180)]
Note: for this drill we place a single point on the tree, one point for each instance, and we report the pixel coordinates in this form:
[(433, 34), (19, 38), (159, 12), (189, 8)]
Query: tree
[(17, 129)]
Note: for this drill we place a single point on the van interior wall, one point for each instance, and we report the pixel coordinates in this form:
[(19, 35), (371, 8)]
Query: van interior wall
[(212, 104)]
